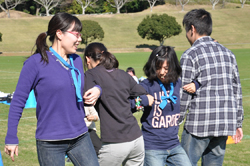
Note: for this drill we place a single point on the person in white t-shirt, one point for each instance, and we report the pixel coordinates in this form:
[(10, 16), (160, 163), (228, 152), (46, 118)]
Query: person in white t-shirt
[(131, 72)]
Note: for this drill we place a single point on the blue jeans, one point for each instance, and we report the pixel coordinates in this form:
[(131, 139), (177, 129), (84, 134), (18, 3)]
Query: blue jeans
[(80, 151), (173, 157), (210, 149)]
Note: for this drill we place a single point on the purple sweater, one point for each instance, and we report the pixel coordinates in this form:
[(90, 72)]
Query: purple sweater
[(59, 115)]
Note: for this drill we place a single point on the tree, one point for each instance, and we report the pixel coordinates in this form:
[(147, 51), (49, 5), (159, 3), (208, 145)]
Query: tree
[(158, 27), (72, 8), (28, 6), (152, 4), (118, 4), (85, 3), (48, 4), (108, 8), (1, 37), (214, 2), (223, 3), (38, 7), (242, 3), (183, 3), (134, 6), (9, 5), (91, 30)]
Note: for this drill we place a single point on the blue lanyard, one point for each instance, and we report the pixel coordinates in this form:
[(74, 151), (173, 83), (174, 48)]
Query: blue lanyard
[(72, 69), (166, 97)]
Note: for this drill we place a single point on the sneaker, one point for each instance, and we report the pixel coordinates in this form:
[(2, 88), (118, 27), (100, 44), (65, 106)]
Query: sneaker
[(68, 160)]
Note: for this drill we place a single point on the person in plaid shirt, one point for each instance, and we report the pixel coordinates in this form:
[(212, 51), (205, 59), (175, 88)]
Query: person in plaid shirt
[(215, 111)]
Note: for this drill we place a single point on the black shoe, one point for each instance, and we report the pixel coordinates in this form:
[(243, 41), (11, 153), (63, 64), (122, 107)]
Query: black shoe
[(68, 160)]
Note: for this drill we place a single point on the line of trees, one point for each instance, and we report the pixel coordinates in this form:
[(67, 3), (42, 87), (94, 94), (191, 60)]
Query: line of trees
[(90, 6), (48, 7)]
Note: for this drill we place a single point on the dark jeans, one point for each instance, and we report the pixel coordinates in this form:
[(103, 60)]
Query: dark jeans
[(210, 149), (95, 140), (80, 151)]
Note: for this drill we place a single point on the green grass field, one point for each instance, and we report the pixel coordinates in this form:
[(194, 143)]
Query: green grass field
[(9, 72), (230, 28)]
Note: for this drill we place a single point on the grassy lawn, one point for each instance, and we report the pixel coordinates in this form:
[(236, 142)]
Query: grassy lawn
[(9, 72), (230, 28)]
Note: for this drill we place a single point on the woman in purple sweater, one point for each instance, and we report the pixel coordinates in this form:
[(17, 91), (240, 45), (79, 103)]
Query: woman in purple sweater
[(56, 75)]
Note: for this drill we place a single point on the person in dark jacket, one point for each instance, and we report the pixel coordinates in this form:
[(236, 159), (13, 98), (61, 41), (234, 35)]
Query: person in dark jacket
[(120, 133)]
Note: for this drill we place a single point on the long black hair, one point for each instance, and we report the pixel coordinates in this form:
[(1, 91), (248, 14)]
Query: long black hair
[(60, 21), (98, 52), (156, 60)]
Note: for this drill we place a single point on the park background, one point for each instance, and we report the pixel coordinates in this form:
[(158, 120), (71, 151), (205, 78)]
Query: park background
[(230, 27)]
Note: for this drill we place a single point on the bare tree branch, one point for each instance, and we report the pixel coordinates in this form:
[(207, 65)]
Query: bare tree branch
[(242, 3), (48, 4), (152, 4), (183, 3), (118, 4), (214, 2), (85, 3), (10, 4)]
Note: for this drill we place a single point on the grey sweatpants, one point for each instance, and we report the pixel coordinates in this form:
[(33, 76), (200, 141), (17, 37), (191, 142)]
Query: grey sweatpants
[(125, 154)]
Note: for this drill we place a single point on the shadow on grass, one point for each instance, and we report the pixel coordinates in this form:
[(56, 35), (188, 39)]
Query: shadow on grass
[(151, 47)]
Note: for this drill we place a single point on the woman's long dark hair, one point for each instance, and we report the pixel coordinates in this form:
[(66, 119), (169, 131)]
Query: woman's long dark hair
[(60, 21), (108, 60), (157, 58), (98, 52)]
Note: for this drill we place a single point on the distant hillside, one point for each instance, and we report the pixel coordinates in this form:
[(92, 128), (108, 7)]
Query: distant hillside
[(230, 28)]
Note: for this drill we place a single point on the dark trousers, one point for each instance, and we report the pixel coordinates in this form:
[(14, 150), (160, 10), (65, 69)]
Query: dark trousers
[(96, 141)]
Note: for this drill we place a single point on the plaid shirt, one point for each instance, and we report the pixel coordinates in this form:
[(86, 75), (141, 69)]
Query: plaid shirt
[(216, 108)]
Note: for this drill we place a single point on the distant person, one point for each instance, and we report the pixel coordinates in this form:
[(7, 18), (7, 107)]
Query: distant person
[(90, 119), (131, 72), (120, 133), (215, 111), (161, 112), (56, 75)]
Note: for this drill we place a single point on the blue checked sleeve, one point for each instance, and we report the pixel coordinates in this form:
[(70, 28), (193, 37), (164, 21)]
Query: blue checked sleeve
[(238, 95), (188, 75)]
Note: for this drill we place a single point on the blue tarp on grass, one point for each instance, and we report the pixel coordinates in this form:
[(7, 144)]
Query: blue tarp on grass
[(30, 103)]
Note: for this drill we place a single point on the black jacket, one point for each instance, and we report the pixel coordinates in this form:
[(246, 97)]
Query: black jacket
[(116, 119)]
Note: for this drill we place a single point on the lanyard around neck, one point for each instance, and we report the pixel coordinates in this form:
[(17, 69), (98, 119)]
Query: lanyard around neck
[(72, 69), (166, 97)]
